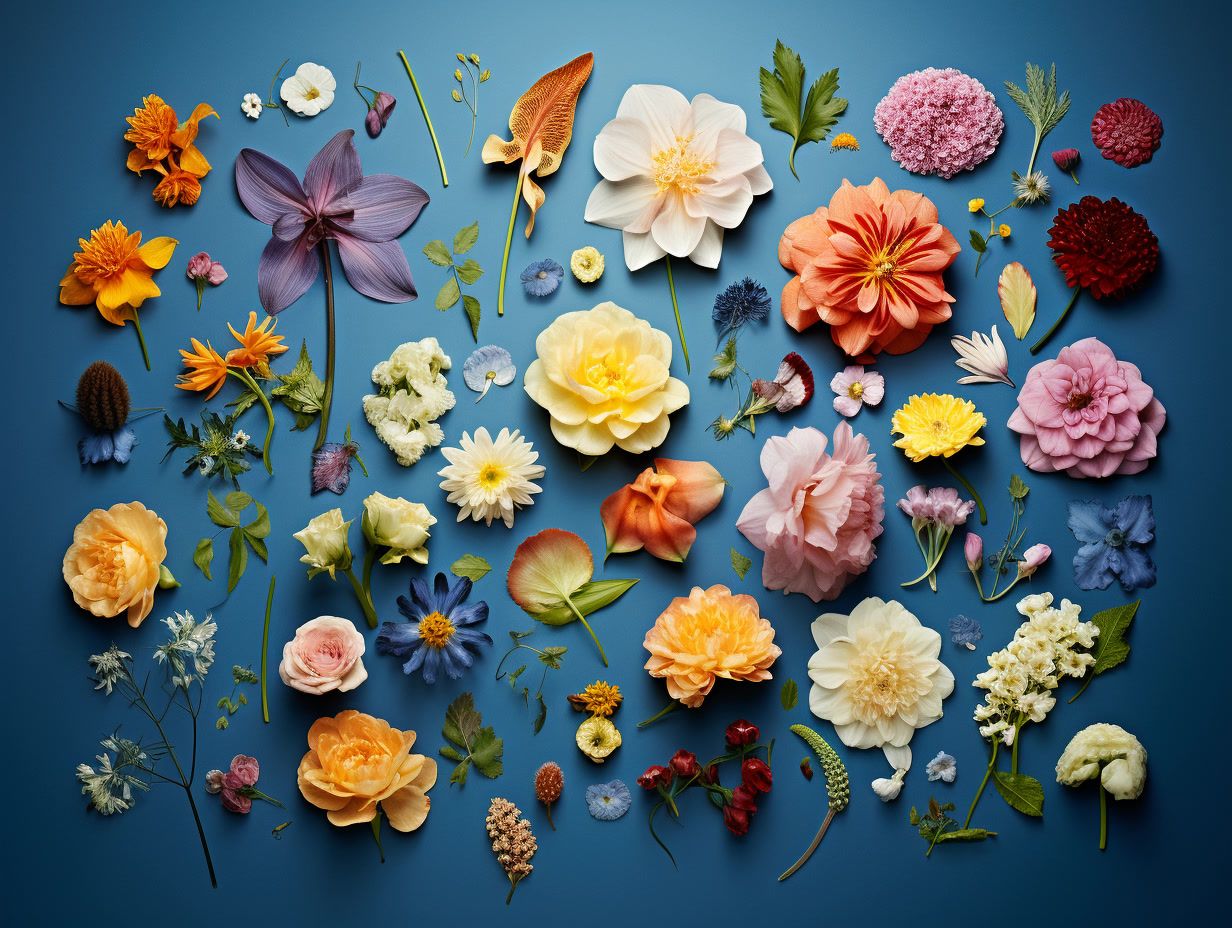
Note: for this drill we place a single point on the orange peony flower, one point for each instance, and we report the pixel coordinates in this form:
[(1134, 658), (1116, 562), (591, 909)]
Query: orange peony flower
[(710, 634), (870, 266), (258, 343), (114, 271), (207, 369), (355, 762), (113, 564), (658, 510)]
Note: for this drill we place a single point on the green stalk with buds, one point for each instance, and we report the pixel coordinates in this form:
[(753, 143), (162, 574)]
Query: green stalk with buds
[(838, 788), (476, 76)]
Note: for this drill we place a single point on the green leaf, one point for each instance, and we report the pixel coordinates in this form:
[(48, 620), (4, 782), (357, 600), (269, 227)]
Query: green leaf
[(219, 514), (239, 558), (591, 597), (449, 293), (260, 526), (740, 563), (1039, 101), (966, 834), (436, 252), (204, 555), (1021, 792), (1110, 648), (258, 545), (471, 306), (237, 501), (821, 108), (301, 391), (782, 93), (725, 361), (790, 695), (470, 271), (471, 742), (541, 715), (978, 242), (551, 657), (471, 566), (466, 238), (1018, 489)]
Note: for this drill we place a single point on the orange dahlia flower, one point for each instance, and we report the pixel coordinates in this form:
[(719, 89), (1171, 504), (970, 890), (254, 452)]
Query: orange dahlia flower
[(258, 343), (207, 369), (870, 265), (157, 136), (710, 634), (114, 271)]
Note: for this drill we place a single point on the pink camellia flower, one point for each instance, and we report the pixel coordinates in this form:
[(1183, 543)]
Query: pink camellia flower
[(1033, 559), (203, 270), (853, 386), (1087, 414), (819, 517), (973, 551), (325, 655)]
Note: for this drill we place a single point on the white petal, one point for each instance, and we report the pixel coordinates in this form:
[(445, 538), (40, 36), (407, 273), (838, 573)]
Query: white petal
[(622, 149), (662, 110), (725, 203), (621, 204), (675, 231), (759, 180), (710, 116), (710, 249), (640, 250), (737, 153)]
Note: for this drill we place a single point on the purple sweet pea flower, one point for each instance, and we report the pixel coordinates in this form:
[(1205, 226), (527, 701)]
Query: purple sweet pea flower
[(1113, 543), (372, 122)]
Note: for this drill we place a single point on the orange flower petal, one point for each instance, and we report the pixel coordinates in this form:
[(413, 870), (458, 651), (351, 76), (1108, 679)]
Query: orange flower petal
[(698, 490), (73, 292)]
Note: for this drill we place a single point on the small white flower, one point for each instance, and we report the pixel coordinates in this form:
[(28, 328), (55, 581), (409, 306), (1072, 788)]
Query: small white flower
[(251, 105), (984, 356), (309, 90), (943, 767), (1032, 188), (491, 478), (108, 667), (239, 441), (205, 464), (887, 789)]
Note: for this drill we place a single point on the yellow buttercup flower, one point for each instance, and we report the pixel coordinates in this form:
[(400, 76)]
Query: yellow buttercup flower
[(114, 271), (587, 264), (1003, 230), (936, 425), (845, 141), (975, 205)]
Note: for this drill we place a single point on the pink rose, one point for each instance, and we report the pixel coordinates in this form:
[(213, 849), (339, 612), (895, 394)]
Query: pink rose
[(324, 655), (244, 770), (202, 267), (235, 801)]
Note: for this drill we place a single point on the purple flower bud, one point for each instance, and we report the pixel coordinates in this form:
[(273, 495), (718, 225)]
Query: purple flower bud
[(384, 106), (372, 122), (1066, 159), (1032, 559), (973, 550)]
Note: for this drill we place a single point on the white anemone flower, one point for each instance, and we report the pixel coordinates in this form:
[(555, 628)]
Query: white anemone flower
[(984, 356), (491, 478), (675, 175), (309, 90)]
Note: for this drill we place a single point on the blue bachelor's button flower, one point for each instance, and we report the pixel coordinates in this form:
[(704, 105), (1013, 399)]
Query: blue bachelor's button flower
[(744, 301), (1112, 543), (965, 632), (542, 277), (100, 447), (608, 801), (437, 636)]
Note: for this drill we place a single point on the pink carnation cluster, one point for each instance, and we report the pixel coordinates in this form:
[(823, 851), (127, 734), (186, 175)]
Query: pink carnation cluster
[(939, 121), (940, 505), (1087, 414), (817, 520)]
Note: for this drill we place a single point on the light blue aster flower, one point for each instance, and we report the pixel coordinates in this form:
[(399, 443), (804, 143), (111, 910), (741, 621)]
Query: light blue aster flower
[(542, 277), (965, 632), (943, 767), (99, 447), (608, 801), (488, 365)]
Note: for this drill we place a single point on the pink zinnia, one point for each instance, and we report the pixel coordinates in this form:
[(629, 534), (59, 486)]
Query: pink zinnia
[(853, 386), (819, 517), (1087, 414)]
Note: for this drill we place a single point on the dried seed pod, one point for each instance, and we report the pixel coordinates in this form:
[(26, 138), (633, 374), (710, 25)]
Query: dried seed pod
[(549, 781), (102, 397)]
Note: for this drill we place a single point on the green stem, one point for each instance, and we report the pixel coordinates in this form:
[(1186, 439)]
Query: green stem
[(269, 608), (934, 559), (581, 618), (145, 355), (376, 833), (1014, 750), (365, 601), (440, 159), (1103, 817), (995, 596), (1056, 325), (200, 282), (979, 503), (670, 707), (821, 833), (504, 272), (249, 381), (992, 763), (369, 560), (1039, 137), (327, 398), (474, 113), (671, 285)]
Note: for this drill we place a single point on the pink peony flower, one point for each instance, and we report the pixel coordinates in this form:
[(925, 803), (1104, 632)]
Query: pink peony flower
[(1087, 414), (817, 520), (325, 655), (245, 771), (853, 386)]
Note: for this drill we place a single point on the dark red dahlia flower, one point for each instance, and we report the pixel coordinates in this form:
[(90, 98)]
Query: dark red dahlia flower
[(1104, 246), (1127, 131)]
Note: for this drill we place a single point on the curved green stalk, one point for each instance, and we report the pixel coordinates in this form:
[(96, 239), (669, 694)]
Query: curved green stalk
[(269, 607), (1056, 325), (327, 399), (504, 271), (979, 503), (249, 381), (992, 763), (145, 355), (440, 159), (365, 601), (671, 285), (670, 707), (581, 618)]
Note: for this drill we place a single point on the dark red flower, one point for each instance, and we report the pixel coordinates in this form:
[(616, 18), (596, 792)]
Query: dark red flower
[(736, 820), (654, 777), (744, 798), (1066, 159), (755, 773), (741, 733), (684, 763), (1104, 246), (711, 774), (1127, 131)]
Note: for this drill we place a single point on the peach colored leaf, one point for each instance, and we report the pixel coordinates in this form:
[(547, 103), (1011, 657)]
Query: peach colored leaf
[(548, 569), (1017, 293)]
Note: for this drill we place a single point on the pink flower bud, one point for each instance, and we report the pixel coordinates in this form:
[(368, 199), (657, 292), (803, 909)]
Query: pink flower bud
[(384, 106), (372, 122), (1032, 559), (245, 770), (973, 550), (1066, 159)]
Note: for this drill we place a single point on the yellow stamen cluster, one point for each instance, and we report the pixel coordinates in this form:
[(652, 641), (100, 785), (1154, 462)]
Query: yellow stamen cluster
[(679, 168), (435, 630)]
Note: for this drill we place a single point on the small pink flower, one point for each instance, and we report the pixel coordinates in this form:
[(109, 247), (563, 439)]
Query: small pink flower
[(1032, 559), (973, 551), (326, 654), (245, 770), (204, 268), (791, 387), (213, 782), (235, 801), (941, 505), (853, 387)]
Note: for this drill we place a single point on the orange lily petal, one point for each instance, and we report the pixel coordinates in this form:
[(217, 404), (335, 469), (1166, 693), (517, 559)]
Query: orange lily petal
[(698, 490), (157, 252)]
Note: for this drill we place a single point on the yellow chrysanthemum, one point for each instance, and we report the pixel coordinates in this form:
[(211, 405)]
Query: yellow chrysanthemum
[(845, 141), (114, 271), (1003, 230), (936, 424), (599, 698)]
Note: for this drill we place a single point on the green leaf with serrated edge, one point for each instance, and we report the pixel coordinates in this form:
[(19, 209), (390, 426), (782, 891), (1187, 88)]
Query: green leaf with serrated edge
[(790, 695), (1018, 489), (219, 514), (470, 271), (1021, 792), (471, 741), (465, 238), (1110, 648), (471, 566), (805, 119), (204, 555), (513, 677), (239, 558), (447, 751), (593, 596), (977, 242), (821, 108), (448, 294), (237, 501), (966, 834), (740, 563), (437, 253), (725, 361), (301, 390), (473, 312)]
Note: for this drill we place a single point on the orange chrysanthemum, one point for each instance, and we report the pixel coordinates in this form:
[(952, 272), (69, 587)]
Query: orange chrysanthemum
[(158, 136), (207, 369), (152, 126), (710, 634), (258, 343), (114, 271), (177, 187)]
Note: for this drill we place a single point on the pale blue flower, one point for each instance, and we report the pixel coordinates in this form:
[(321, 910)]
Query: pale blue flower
[(99, 447), (965, 632), (943, 767), (608, 801), (542, 277), (488, 365), (1113, 543)]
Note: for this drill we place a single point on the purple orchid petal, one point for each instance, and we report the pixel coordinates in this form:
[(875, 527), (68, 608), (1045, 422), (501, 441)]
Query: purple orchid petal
[(384, 207), (286, 271), (331, 467), (290, 226), (267, 189), (333, 171), (377, 269)]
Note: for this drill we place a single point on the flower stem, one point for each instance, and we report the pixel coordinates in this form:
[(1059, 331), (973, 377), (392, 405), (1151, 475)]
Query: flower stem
[(979, 503), (269, 608), (376, 833), (513, 217), (593, 637), (1103, 817), (992, 763), (821, 833), (1056, 325), (671, 286), (249, 381), (365, 601), (548, 806), (369, 560), (200, 282), (327, 400), (145, 355), (670, 707), (440, 159), (1014, 750)]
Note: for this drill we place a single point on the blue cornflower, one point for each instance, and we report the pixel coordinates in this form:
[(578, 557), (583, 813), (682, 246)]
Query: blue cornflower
[(745, 301), (965, 632), (1112, 543), (98, 447), (608, 801), (437, 634), (542, 277)]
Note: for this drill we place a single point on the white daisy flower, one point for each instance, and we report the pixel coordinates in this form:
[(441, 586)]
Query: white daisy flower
[(309, 90), (489, 478), (1032, 188)]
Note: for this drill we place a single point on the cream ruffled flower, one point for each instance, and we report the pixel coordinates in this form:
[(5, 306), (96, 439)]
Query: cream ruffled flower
[(490, 479), (587, 264), (398, 525), (309, 90), (597, 738), (675, 175), (1108, 752), (604, 377), (877, 677)]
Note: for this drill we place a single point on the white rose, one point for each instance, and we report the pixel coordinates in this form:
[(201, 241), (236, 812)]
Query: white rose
[(398, 525), (325, 540)]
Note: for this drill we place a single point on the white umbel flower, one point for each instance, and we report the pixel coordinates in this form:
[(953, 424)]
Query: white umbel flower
[(309, 90), (983, 356), (489, 478), (251, 106)]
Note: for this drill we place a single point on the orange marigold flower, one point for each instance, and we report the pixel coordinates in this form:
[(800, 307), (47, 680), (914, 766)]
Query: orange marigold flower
[(151, 128), (258, 343), (207, 369), (157, 136), (114, 271), (177, 187)]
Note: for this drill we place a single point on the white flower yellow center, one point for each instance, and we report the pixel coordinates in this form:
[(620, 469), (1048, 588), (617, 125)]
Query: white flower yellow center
[(312, 93), (491, 475), (680, 168), (882, 683)]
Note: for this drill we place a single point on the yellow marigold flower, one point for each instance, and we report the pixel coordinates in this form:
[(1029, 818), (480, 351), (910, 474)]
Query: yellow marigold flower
[(114, 271), (599, 698), (975, 205), (845, 141), (936, 424), (207, 370), (587, 264), (709, 634), (1003, 230), (258, 343), (597, 737)]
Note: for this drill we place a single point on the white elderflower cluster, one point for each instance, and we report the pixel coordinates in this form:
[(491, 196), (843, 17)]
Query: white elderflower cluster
[(110, 787), (191, 643), (1051, 644), (412, 395)]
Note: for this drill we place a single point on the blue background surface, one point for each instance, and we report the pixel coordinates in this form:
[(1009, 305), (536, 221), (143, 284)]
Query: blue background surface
[(74, 71)]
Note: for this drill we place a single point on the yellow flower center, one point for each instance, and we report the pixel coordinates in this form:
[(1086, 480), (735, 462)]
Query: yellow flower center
[(680, 168), (312, 94), (106, 254), (435, 630), (491, 476), (856, 390), (881, 684), (607, 375)]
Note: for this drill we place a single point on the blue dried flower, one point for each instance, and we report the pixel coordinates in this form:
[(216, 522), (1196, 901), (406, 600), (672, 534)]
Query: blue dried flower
[(965, 632), (1113, 543), (438, 635), (488, 365), (608, 801), (542, 277), (745, 301), (98, 447), (943, 767)]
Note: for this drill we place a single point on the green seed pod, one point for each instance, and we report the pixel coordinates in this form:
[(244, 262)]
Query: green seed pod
[(837, 786)]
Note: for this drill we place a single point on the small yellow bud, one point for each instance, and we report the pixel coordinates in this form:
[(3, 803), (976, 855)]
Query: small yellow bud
[(474, 59), (975, 205), (1003, 230), (457, 97), (461, 57), (484, 75), (457, 75)]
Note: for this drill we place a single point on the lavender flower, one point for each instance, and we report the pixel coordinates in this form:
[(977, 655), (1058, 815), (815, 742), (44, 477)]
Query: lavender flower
[(331, 465), (934, 515), (1113, 543), (744, 301), (541, 278), (608, 801), (943, 767), (965, 632)]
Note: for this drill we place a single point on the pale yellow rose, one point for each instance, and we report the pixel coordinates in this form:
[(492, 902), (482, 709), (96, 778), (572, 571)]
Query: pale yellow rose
[(398, 525), (325, 539), (113, 564), (604, 377)]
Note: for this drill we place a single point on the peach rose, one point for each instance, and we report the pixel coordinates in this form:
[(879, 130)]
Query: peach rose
[(113, 564), (355, 761), (325, 655)]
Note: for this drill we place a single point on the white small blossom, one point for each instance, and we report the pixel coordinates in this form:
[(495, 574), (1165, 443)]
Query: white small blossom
[(983, 356), (240, 440), (110, 788), (191, 642), (108, 668), (888, 788), (943, 767), (1032, 188), (412, 394), (251, 105)]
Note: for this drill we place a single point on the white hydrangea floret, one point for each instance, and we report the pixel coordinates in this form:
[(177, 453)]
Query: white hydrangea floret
[(1108, 752), (411, 394)]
